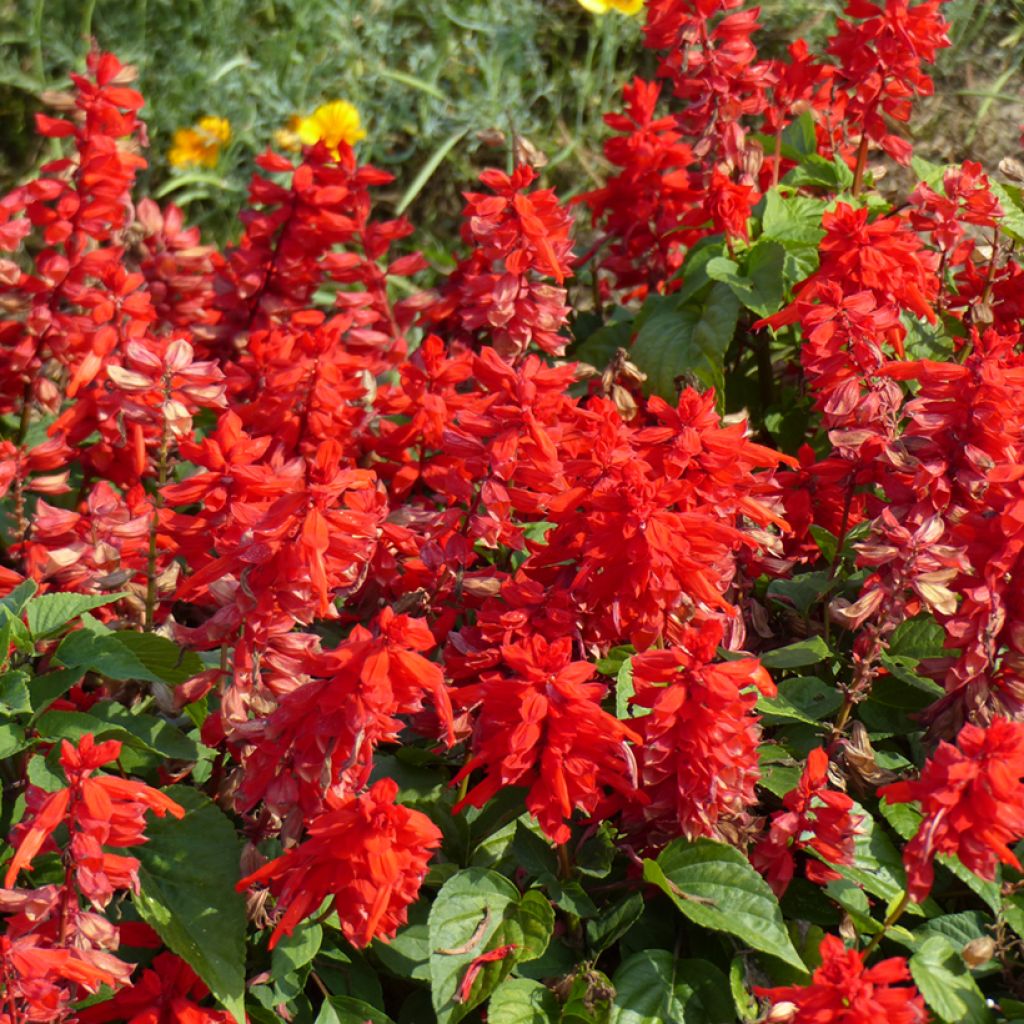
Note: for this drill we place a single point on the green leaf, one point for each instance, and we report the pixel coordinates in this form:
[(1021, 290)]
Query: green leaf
[(675, 341), (47, 688), (12, 738), (759, 288), (802, 591), (109, 720), (877, 865), (407, 955), (47, 613), (127, 655), (294, 951), (653, 987), (793, 220), (187, 875), (613, 922), (1012, 221), (814, 169), (946, 983), (917, 638), (346, 1010), (475, 911), (16, 600), (714, 886), (522, 1001), (745, 1003), (804, 699), (14, 697), (804, 652)]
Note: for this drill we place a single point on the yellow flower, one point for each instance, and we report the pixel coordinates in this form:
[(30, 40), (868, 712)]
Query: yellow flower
[(200, 145), (287, 138), (332, 123), (604, 6)]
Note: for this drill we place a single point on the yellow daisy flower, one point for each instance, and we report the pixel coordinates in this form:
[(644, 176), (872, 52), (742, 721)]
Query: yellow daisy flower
[(200, 145), (604, 6), (332, 123)]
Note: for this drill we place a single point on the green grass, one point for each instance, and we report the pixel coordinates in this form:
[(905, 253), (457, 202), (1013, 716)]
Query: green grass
[(433, 81)]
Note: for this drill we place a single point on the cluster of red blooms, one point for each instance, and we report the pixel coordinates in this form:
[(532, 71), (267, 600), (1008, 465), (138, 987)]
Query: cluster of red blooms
[(387, 534), (53, 950), (699, 171)]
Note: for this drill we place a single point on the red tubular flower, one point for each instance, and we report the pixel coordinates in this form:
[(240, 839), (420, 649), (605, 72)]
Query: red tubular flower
[(880, 60), (518, 238), (322, 735), (972, 799), (698, 762), (816, 818), (168, 992), (843, 990), (543, 728), (98, 811), (366, 852)]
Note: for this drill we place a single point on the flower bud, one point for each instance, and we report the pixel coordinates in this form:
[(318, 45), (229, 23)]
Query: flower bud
[(978, 951), (781, 1013)]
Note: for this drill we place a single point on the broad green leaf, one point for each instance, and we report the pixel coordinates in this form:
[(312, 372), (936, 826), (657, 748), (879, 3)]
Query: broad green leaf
[(294, 951), (12, 738), (14, 697), (45, 689), (714, 886), (877, 865), (946, 983), (745, 1003), (958, 928), (814, 169), (47, 613), (653, 987), (794, 220), (346, 1010), (919, 637), (109, 720), (407, 955), (928, 172), (1012, 221), (758, 284), (675, 341), (802, 591), (522, 1001), (804, 699), (128, 655), (613, 922), (187, 875), (804, 652), (16, 600), (476, 911), (990, 892)]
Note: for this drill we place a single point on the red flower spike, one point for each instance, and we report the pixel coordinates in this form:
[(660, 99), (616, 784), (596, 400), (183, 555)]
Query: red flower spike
[(843, 990), (972, 799), (366, 852), (816, 818)]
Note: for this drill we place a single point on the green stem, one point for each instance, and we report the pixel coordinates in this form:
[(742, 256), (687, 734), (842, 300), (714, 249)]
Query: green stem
[(896, 914)]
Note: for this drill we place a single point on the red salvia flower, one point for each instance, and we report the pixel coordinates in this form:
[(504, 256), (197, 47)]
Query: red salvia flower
[(816, 818), (168, 992), (542, 727), (367, 853), (98, 811), (843, 990), (972, 799)]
